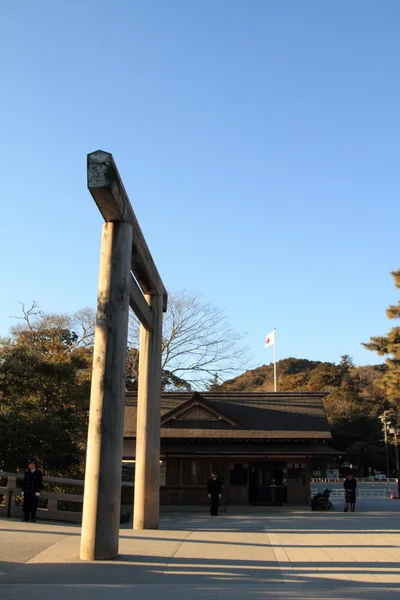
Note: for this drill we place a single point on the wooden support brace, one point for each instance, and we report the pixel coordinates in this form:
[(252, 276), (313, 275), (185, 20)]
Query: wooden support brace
[(138, 304)]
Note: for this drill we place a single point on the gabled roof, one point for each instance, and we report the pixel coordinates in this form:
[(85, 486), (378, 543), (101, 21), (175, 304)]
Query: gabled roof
[(209, 413), (239, 415)]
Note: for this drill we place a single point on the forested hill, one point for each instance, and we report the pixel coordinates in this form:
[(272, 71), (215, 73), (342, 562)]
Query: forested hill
[(300, 374), (353, 404)]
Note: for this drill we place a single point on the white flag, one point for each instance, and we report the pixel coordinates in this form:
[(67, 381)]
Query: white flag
[(270, 339)]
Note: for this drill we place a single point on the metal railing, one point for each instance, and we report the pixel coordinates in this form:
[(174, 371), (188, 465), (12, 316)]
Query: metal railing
[(360, 492), (359, 479)]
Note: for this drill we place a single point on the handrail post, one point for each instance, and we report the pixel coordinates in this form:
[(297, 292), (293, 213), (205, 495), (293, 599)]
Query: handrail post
[(11, 488)]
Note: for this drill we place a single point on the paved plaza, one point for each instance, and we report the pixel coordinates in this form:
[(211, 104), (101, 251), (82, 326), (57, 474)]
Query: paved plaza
[(277, 553)]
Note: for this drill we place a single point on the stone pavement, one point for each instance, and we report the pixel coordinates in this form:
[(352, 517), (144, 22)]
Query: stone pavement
[(281, 554)]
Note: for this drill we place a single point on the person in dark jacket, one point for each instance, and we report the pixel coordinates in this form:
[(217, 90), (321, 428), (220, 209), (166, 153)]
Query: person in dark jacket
[(214, 488), (31, 489), (350, 486)]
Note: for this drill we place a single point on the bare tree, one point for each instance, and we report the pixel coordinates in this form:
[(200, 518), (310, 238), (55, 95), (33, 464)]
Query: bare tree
[(199, 346), (81, 324), (31, 316)]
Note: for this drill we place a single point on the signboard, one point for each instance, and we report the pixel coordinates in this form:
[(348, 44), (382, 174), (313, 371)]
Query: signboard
[(332, 473)]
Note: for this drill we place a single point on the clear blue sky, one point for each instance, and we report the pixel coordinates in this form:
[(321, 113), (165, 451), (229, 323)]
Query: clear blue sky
[(258, 141)]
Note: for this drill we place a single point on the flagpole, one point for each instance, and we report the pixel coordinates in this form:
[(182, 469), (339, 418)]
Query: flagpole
[(274, 360)]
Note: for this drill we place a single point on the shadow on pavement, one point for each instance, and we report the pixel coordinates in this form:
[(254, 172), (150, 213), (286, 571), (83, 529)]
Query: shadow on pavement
[(252, 578), (149, 576)]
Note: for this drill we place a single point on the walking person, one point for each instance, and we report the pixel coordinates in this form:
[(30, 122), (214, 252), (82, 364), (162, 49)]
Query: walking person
[(350, 486), (31, 490), (214, 489)]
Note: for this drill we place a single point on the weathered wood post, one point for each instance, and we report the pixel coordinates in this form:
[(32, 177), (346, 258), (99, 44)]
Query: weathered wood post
[(124, 249), (102, 497), (147, 471)]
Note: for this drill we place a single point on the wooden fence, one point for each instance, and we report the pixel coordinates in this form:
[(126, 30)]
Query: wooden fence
[(53, 505)]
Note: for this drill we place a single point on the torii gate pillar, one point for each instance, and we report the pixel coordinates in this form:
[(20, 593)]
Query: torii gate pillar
[(147, 467), (123, 250)]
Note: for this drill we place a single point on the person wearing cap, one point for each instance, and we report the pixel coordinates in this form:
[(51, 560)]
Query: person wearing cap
[(214, 488), (31, 490)]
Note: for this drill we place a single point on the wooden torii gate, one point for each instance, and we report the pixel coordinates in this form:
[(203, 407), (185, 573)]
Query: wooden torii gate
[(127, 277)]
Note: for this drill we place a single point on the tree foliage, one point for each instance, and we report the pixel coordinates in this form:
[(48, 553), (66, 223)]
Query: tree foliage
[(389, 346), (44, 380)]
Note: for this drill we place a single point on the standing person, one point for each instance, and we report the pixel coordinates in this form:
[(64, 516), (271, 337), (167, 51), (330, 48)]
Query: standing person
[(31, 490), (253, 484), (214, 488), (350, 485)]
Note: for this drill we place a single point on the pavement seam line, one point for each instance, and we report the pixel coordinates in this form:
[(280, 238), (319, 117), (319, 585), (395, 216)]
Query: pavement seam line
[(284, 566), (175, 552), (62, 537)]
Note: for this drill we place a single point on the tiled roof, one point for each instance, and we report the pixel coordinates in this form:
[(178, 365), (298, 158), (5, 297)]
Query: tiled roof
[(263, 415)]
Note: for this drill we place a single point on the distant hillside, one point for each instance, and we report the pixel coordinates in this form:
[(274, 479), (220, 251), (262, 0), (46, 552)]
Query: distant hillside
[(261, 379), (354, 402), (300, 374)]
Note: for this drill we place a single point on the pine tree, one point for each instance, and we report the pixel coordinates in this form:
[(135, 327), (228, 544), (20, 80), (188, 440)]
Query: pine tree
[(389, 346)]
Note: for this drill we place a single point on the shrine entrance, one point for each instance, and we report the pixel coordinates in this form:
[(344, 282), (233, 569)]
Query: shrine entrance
[(268, 483)]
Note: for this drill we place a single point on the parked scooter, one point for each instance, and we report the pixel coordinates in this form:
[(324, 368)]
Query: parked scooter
[(321, 501)]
